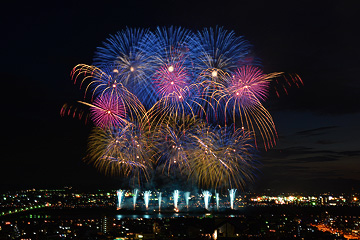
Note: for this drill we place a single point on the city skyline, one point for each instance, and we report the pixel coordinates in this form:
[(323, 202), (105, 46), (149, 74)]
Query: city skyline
[(318, 144)]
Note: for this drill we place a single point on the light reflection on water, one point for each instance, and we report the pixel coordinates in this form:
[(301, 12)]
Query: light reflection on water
[(132, 216), (155, 215), (164, 215)]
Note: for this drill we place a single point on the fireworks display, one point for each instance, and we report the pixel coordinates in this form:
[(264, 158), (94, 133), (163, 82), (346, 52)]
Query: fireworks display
[(182, 102)]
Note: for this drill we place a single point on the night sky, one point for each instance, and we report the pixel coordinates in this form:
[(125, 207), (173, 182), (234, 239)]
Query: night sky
[(318, 147)]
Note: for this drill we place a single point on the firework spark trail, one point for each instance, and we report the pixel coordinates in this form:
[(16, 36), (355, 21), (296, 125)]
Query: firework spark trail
[(104, 84), (129, 62), (187, 197), (123, 151), (174, 142), (240, 96), (119, 194), (147, 198), (250, 80), (221, 49), (121, 49), (170, 45), (75, 111), (179, 94), (159, 199), (222, 158), (171, 79), (176, 198), (209, 82), (135, 193), (232, 197), (207, 196), (107, 111)]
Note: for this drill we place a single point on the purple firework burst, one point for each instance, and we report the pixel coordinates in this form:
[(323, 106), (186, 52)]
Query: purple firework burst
[(172, 81), (108, 110), (248, 82)]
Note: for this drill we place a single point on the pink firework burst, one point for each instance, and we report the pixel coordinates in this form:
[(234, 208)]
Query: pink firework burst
[(248, 82), (172, 80), (108, 110)]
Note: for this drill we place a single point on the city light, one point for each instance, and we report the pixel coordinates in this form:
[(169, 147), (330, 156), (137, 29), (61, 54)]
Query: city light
[(312, 219)]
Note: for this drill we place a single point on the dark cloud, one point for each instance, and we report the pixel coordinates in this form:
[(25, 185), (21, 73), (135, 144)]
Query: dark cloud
[(284, 168), (350, 153), (293, 152), (316, 131), (303, 178), (325, 142), (319, 183), (315, 159)]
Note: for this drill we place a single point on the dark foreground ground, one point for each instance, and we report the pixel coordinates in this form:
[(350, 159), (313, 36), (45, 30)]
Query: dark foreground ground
[(268, 222)]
